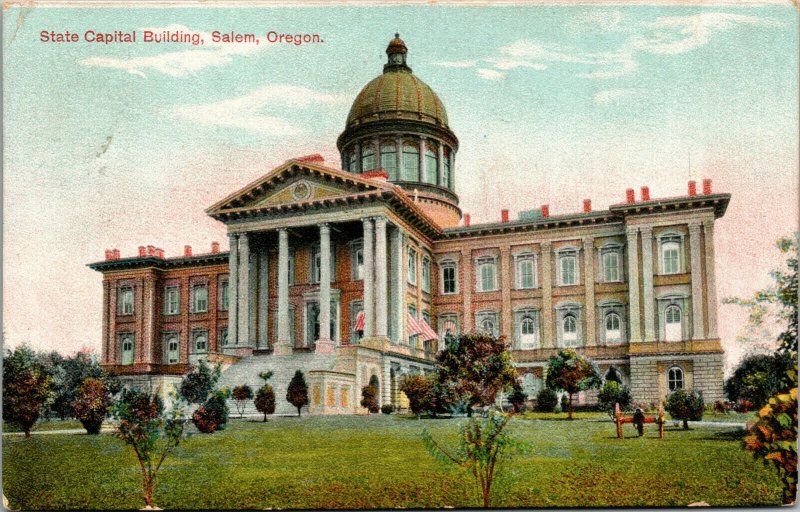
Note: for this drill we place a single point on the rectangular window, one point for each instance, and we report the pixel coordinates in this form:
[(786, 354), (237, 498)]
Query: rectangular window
[(126, 348), (670, 255), (568, 265), (611, 266), (223, 336), (389, 160), (172, 347), (316, 264), (171, 300), (526, 272), (410, 162), (291, 268), (224, 299), (426, 275), (446, 171), (357, 255), (200, 301), (412, 266), (487, 275), (448, 278), (125, 301), (412, 340)]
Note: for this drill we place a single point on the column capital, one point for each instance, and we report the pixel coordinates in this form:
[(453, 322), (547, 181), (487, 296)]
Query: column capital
[(380, 220), (647, 231), (546, 245), (325, 227), (283, 231), (588, 242), (233, 236), (708, 224), (694, 226), (366, 220), (631, 231)]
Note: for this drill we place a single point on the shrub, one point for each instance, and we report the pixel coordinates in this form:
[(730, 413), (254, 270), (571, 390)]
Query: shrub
[(297, 393), (685, 405), (387, 408), (211, 415), (756, 379), (743, 406), (565, 404), (614, 393), (369, 399), (241, 394), (265, 400), (546, 400), (198, 385), (723, 406), (419, 392), (517, 399), (91, 404), (26, 388)]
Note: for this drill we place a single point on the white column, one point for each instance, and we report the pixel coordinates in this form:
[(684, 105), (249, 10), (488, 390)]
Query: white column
[(283, 344), (647, 284), (588, 263), (244, 290), (233, 290), (381, 284), (386, 383), (697, 280), (263, 298), (398, 288), (325, 283), (711, 282), (633, 284), (369, 279)]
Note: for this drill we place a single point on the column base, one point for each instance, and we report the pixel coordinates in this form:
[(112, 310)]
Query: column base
[(282, 349), (324, 347), (237, 351)]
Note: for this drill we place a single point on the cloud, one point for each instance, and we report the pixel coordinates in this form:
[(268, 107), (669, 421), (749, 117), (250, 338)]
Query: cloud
[(491, 74), (612, 95), (179, 63), (457, 64), (249, 112)]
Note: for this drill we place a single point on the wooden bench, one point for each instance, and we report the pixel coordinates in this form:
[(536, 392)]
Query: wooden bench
[(619, 419)]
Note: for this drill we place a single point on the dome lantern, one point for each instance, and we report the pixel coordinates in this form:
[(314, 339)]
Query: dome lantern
[(396, 52)]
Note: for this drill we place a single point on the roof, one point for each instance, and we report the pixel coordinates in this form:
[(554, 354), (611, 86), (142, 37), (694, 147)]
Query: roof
[(219, 258)]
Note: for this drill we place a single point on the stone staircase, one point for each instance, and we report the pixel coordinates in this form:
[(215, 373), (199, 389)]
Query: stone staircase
[(246, 371)]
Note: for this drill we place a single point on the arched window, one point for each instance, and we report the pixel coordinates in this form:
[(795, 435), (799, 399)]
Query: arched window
[(410, 162), (613, 327), (431, 165), (126, 344), (488, 326), (201, 342), (570, 329), (613, 375), (446, 166), (389, 159), (675, 378), (529, 385), (527, 332), (673, 327), (367, 158), (172, 349)]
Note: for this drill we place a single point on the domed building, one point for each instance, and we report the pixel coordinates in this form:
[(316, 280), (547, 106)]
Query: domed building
[(357, 272)]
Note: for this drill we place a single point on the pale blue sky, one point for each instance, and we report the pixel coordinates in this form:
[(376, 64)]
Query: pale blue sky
[(551, 104)]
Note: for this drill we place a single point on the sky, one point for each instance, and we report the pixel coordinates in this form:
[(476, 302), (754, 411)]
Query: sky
[(121, 145)]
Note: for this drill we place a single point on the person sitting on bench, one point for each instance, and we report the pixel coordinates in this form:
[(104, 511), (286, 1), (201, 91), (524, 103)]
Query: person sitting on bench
[(638, 421)]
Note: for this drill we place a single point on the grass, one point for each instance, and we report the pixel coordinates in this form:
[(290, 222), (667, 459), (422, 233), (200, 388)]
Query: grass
[(379, 461), (43, 426)]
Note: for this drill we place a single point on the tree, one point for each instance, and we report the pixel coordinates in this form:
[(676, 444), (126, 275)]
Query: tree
[(241, 394), (369, 395), (483, 443), (419, 391), (212, 415), (571, 373), (26, 388), (685, 405), (517, 399), (614, 393), (92, 401), (546, 400), (475, 368), (68, 374), (773, 439), (152, 434), (265, 400), (297, 393), (198, 385), (756, 379)]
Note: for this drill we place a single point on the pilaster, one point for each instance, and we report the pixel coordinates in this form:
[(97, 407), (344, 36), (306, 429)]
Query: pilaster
[(647, 284), (711, 281), (233, 290), (263, 298), (466, 290), (588, 263), (697, 280), (245, 290), (633, 285), (507, 320), (548, 331), (369, 278), (381, 284), (398, 288)]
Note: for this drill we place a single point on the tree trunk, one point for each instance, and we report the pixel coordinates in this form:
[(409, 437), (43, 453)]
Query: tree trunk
[(265, 416), (27, 432), (570, 406), (298, 412), (686, 424)]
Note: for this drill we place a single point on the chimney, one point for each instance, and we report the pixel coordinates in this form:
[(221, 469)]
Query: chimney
[(116, 254), (315, 158), (692, 188), (377, 175), (504, 215), (466, 220), (109, 254), (645, 193), (587, 205), (187, 250), (630, 196), (545, 210), (706, 187), (160, 253), (214, 247), (151, 250), (142, 251)]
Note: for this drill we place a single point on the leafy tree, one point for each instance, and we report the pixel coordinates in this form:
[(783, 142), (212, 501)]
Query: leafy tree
[(483, 444), (91, 404), (68, 374), (265, 375), (199, 384), (297, 393), (265, 400), (614, 393), (546, 400), (151, 433), (571, 373), (756, 379), (369, 399), (26, 388), (685, 405), (212, 415), (517, 398), (241, 394), (475, 367), (773, 438), (419, 391)]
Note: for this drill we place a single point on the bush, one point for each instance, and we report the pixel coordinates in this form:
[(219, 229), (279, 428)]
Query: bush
[(756, 379), (369, 395), (517, 399), (198, 385), (546, 400), (614, 393), (212, 415), (91, 404), (387, 408), (297, 393), (265, 400), (419, 392), (723, 407), (564, 403), (685, 405), (241, 394), (743, 406), (26, 388)]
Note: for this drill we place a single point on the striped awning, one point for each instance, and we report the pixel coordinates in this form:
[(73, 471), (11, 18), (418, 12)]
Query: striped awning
[(360, 320), (427, 332), (413, 326), (450, 327)]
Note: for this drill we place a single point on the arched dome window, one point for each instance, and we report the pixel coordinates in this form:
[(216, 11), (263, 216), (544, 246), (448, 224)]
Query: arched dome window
[(389, 159), (353, 160), (431, 165), (410, 162), (367, 158), (446, 167)]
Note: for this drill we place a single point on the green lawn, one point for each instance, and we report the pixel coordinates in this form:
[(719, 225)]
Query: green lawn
[(379, 461), (42, 426)]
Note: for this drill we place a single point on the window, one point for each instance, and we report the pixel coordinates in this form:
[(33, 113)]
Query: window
[(613, 327), (410, 162), (223, 336), (426, 275), (200, 302), (200, 342), (671, 260), (487, 274), (171, 300), (125, 301), (530, 385), (568, 268), (611, 268), (527, 329), (412, 340), (389, 159), (526, 271), (313, 325), (316, 265), (367, 158), (173, 348), (353, 161), (570, 330), (446, 171), (291, 268), (487, 322), (673, 330), (356, 307), (412, 266), (448, 324), (126, 348), (448, 269), (431, 165), (357, 260), (224, 292), (675, 378)]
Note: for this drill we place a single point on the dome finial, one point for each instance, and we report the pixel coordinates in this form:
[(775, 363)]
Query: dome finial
[(397, 55), (397, 35)]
